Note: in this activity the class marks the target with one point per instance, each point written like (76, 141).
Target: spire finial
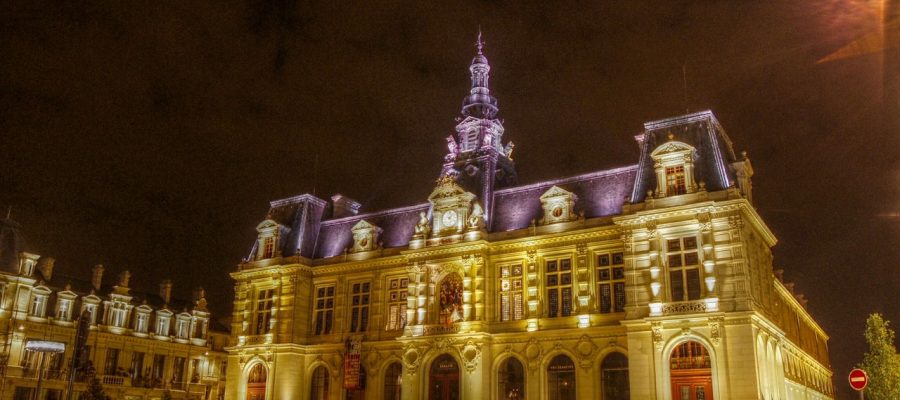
(479, 44)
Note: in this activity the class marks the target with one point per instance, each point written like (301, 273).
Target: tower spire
(479, 103)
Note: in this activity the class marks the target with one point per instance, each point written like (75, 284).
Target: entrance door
(691, 372)
(443, 382)
(256, 383)
(692, 388)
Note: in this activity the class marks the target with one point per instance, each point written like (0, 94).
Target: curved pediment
(267, 224)
(446, 188)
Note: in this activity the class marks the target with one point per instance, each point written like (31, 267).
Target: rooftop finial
(479, 44)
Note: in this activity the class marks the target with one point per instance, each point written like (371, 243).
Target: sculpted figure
(477, 216)
(422, 226)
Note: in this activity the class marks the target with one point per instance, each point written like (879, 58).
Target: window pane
(693, 284)
(677, 283)
(603, 260)
(605, 298)
(691, 259)
(566, 301)
(553, 300)
(674, 245)
(620, 296)
(675, 260)
(618, 258)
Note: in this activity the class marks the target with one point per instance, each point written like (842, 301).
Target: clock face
(449, 218)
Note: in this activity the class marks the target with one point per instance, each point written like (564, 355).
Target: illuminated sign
(45, 346)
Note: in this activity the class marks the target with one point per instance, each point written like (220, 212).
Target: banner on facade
(352, 379)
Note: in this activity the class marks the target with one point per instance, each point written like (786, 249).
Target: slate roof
(310, 231)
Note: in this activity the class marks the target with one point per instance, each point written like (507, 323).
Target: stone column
(479, 265)
(655, 269)
(707, 244)
(582, 280)
(468, 282)
(414, 289)
(531, 285)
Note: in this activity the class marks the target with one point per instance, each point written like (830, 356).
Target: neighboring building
(139, 345)
(650, 281)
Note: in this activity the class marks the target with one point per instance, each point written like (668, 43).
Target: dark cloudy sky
(151, 135)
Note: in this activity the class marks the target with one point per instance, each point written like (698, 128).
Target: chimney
(97, 277)
(343, 206)
(199, 293)
(45, 266)
(165, 291)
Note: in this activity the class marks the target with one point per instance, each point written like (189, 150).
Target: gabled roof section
(700, 130)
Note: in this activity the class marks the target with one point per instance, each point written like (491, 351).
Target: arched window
(689, 365)
(511, 379)
(614, 377)
(318, 389)
(393, 380)
(451, 299)
(561, 378)
(256, 382)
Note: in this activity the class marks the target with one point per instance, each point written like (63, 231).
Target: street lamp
(41, 347)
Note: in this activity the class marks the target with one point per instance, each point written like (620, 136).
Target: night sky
(151, 135)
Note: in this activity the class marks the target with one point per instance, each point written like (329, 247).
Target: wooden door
(692, 387)
(256, 392)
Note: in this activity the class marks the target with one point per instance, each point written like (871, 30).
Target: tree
(94, 391)
(881, 362)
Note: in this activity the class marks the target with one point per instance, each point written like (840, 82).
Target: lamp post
(41, 347)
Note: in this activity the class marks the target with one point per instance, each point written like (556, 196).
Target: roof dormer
(268, 239)
(365, 236)
(558, 205)
(673, 163)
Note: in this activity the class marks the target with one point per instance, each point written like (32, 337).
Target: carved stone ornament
(705, 221)
(735, 222)
(585, 349)
(715, 330)
(532, 256)
(411, 358)
(684, 307)
(581, 248)
(533, 353)
(471, 355)
(656, 331)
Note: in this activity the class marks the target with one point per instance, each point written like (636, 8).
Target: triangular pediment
(554, 192)
(362, 225)
(672, 147)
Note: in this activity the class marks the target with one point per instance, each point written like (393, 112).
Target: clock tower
(477, 158)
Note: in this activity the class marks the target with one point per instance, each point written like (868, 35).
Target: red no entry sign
(858, 379)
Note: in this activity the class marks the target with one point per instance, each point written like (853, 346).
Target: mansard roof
(311, 231)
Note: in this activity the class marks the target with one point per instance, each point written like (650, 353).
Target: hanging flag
(352, 379)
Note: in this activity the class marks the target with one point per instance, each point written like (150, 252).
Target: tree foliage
(94, 391)
(881, 362)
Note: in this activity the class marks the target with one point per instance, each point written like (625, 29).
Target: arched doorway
(256, 382)
(614, 377)
(561, 378)
(511, 380)
(318, 388)
(443, 381)
(691, 372)
(393, 381)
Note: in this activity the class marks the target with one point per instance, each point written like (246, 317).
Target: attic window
(268, 247)
(674, 165)
(558, 205)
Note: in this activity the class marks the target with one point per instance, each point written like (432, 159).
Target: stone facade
(140, 345)
(651, 281)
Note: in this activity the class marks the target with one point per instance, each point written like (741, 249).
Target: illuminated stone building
(649, 281)
(139, 345)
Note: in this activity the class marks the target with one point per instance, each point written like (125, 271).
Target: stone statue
(477, 216)
(422, 225)
(451, 145)
(488, 139)
(509, 149)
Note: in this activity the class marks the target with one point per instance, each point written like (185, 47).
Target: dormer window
(64, 310)
(267, 243)
(38, 305)
(558, 205)
(162, 323)
(183, 327)
(674, 165)
(142, 322)
(365, 236)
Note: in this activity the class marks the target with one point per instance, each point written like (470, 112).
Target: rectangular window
(324, 311)
(178, 369)
(140, 325)
(137, 365)
(262, 311)
(397, 292)
(37, 305)
(611, 282)
(112, 361)
(62, 313)
(269, 247)
(559, 287)
(359, 306)
(159, 366)
(511, 297)
(675, 180)
(684, 268)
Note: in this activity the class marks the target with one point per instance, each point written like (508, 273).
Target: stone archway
(443, 379)
(257, 378)
(690, 372)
